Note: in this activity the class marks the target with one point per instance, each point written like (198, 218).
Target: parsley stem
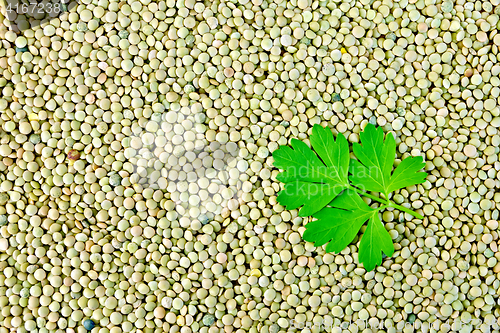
(370, 196)
(388, 203)
(406, 210)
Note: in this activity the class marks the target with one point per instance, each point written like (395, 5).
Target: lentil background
(81, 239)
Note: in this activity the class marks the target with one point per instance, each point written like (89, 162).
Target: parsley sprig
(328, 184)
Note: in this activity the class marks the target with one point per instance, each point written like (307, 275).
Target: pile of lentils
(92, 241)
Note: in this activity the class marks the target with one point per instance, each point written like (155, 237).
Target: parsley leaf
(339, 225)
(309, 180)
(406, 174)
(329, 185)
(333, 154)
(375, 240)
(376, 158)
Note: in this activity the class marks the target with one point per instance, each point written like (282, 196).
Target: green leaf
(375, 240)
(406, 174)
(312, 182)
(313, 196)
(338, 226)
(362, 178)
(332, 153)
(319, 181)
(298, 163)
(350, 200)
(376, 157)
(331, 223)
